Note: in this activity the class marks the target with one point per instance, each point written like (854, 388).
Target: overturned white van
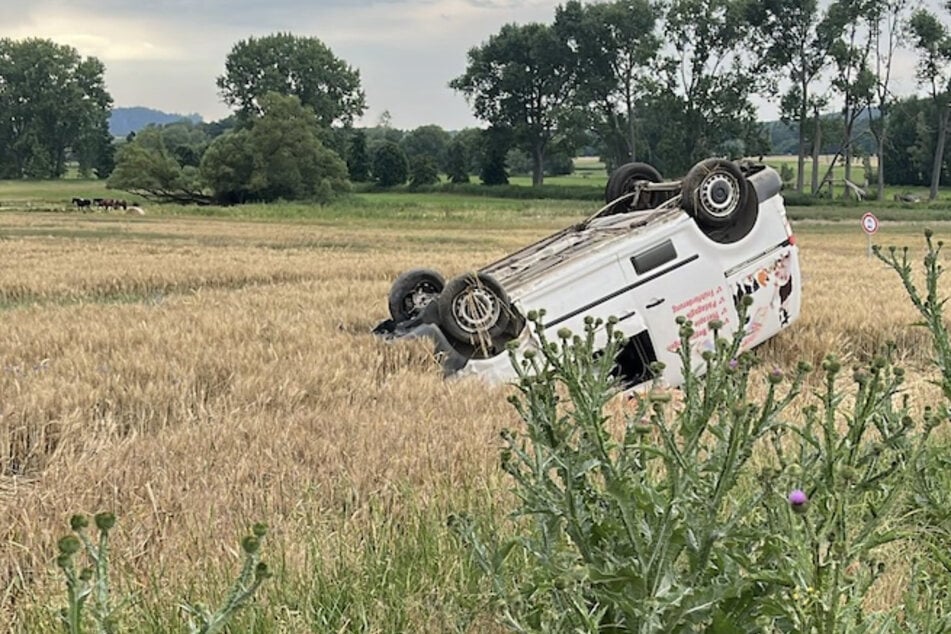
(657, 250)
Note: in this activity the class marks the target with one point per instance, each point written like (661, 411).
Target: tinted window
(653, 257)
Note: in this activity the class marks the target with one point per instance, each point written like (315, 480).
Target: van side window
(653, 257)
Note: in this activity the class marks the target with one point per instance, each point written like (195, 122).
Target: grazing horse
(111, 203)
(82, 203)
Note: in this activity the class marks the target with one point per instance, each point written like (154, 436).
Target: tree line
(666, 83)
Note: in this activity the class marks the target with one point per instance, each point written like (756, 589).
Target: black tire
(475, 311)
(625, 179)
(413, 291)
(716, 193)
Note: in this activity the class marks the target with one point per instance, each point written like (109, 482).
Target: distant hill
(122, 121)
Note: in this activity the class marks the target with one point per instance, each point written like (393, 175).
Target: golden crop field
(197, 375)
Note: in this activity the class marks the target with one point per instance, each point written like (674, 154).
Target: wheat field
(197, 375)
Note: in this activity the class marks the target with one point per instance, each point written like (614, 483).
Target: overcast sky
(166, 54)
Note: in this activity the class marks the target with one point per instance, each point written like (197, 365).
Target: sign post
(870, 227)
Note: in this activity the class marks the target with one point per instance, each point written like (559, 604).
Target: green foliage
(277, 154)
(52, 101)
(429, 141)
(93, 581)
(358, 159)
(909, 155)
(670, 525)
(291, 65)
(423, 172)
(390, 166)
(496, 142)
(147, 168)
(457, 163)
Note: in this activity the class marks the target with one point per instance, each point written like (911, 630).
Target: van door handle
(657, 301)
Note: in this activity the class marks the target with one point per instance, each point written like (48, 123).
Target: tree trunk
(847, 154)
(939, 151)
(538, 165)
(630, 130)
(880, 158)
(801, 158)
(816, 144)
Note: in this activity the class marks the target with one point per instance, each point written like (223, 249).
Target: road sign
(869, 223)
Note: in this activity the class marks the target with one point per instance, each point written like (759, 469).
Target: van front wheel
(716, 193)
(474, 310)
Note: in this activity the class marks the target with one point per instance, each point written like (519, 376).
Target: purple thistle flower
(733, 364)
(798, 500)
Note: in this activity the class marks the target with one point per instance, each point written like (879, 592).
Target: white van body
(646, 268)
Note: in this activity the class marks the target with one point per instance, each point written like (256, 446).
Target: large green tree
(886, 20)
(710, 76)
(932, 40)
(292, 65)
(617, 44)
(390, 167)
(52, 101)
(147, 167)
(278, 156)
(525, 78)
(796, 39)
(426, 140)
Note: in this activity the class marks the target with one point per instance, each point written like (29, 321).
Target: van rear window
(653, 257)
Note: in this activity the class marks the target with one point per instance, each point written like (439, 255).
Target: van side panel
(774, 284)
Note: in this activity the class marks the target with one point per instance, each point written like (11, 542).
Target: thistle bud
(105, 521)
(564, 333)
(250, 544)
(68, 545)
(259, 529)
(78, 522)
(85, 574)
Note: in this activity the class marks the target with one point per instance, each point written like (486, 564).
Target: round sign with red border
(869, 223)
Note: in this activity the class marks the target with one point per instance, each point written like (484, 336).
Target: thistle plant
(92, 580)
(88, 581)
(719, 508)
(253, 573)
(850, 469)
(646, 531)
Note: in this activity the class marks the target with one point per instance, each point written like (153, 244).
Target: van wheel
(413, 291)
(625, 180)
(715, 193)
(475, 311)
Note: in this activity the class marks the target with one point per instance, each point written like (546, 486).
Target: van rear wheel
(625, 180)
(413, 291)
